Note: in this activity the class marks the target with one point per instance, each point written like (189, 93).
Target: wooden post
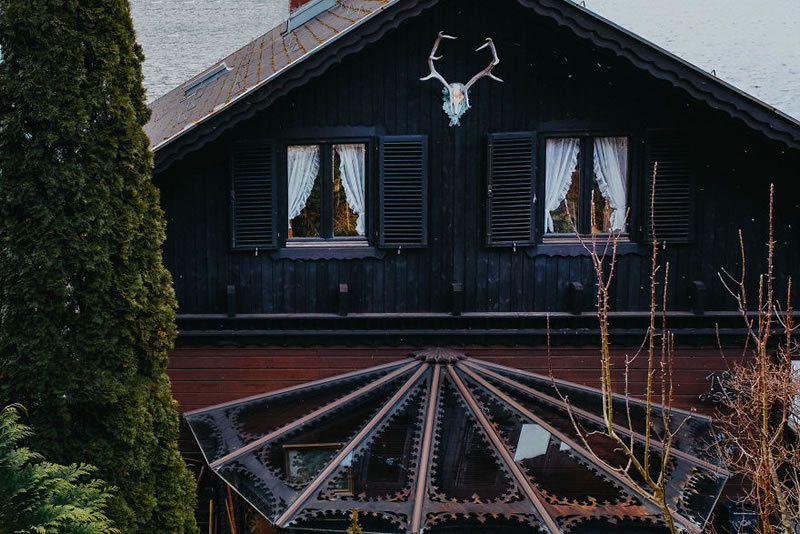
(343, 298)
(231, 301)
(457, 299)
(697, 297)
(575, 297)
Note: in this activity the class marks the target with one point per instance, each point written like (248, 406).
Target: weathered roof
(251, 67)
(419, 443)
(276, 52)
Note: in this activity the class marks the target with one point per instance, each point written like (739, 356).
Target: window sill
(327, 251)
(574, 248)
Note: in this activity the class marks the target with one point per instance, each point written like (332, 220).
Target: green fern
(39, 497)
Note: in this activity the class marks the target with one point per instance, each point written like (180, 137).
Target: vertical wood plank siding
(550, 76)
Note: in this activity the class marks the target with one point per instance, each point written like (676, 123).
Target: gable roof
(251, 67)
(350, 25)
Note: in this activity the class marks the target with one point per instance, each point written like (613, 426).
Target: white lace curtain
(562, 160)
(303, 167)
(611, 172)
(352, 172)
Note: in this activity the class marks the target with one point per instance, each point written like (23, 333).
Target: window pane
(610, 184)
(565, 215)
(304, 191)
(562, 186)
(349, 218)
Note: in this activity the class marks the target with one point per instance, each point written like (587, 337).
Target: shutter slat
(510, 181)
(404, 191)
(672, 211)
(253, 173)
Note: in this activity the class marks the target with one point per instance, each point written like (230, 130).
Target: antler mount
(456, 95)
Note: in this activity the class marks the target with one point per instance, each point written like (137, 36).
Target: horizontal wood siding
(203, 376)
(550, 77)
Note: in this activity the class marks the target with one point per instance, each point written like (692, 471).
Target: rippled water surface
(181, 38)
(753, 44)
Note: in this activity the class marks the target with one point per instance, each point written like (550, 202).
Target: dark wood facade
(555, 82)
(258, 320)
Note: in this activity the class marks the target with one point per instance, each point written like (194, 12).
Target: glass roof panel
(490, 445)
(466, 466)
(222, 429)
(691, 430)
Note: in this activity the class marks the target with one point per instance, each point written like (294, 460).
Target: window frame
(586, 160)
(326, 144)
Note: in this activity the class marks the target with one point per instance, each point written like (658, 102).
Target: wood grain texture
(548, 72)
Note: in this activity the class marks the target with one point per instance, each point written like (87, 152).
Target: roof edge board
(582, 22)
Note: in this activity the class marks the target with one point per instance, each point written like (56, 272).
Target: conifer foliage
(86, 306)
(44, 497)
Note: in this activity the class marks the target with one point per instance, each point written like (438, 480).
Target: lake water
(753, 44)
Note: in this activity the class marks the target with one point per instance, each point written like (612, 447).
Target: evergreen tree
(86, 306)
(43, 497)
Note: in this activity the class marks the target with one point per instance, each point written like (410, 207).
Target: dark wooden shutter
(403, 191)
(511, 189)
(672, 214)
(252, 195)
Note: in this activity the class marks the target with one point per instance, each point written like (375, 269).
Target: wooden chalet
(327, 215)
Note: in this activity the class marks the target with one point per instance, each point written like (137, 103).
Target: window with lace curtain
(586, 186)
(326, 191)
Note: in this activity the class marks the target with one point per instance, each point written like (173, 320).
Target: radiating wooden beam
(587, 389)
(299, 387)
(426, 451)
(284, 519)
(497, 441)
(593, 459)
(694, 460)
(313, 415)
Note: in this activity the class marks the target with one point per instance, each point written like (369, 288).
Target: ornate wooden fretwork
(471, 443)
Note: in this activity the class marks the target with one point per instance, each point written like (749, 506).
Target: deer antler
(433, 57)
(488, 70)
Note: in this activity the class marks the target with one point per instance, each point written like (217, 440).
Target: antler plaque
(456, 95)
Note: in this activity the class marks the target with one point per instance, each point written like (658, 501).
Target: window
(326, 192)
(586, 185)
(546, 187)
(331, 193)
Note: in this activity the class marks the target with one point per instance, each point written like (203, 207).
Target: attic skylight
(205, 79)
(308, 12)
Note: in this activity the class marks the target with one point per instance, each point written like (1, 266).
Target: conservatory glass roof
(441, 441)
